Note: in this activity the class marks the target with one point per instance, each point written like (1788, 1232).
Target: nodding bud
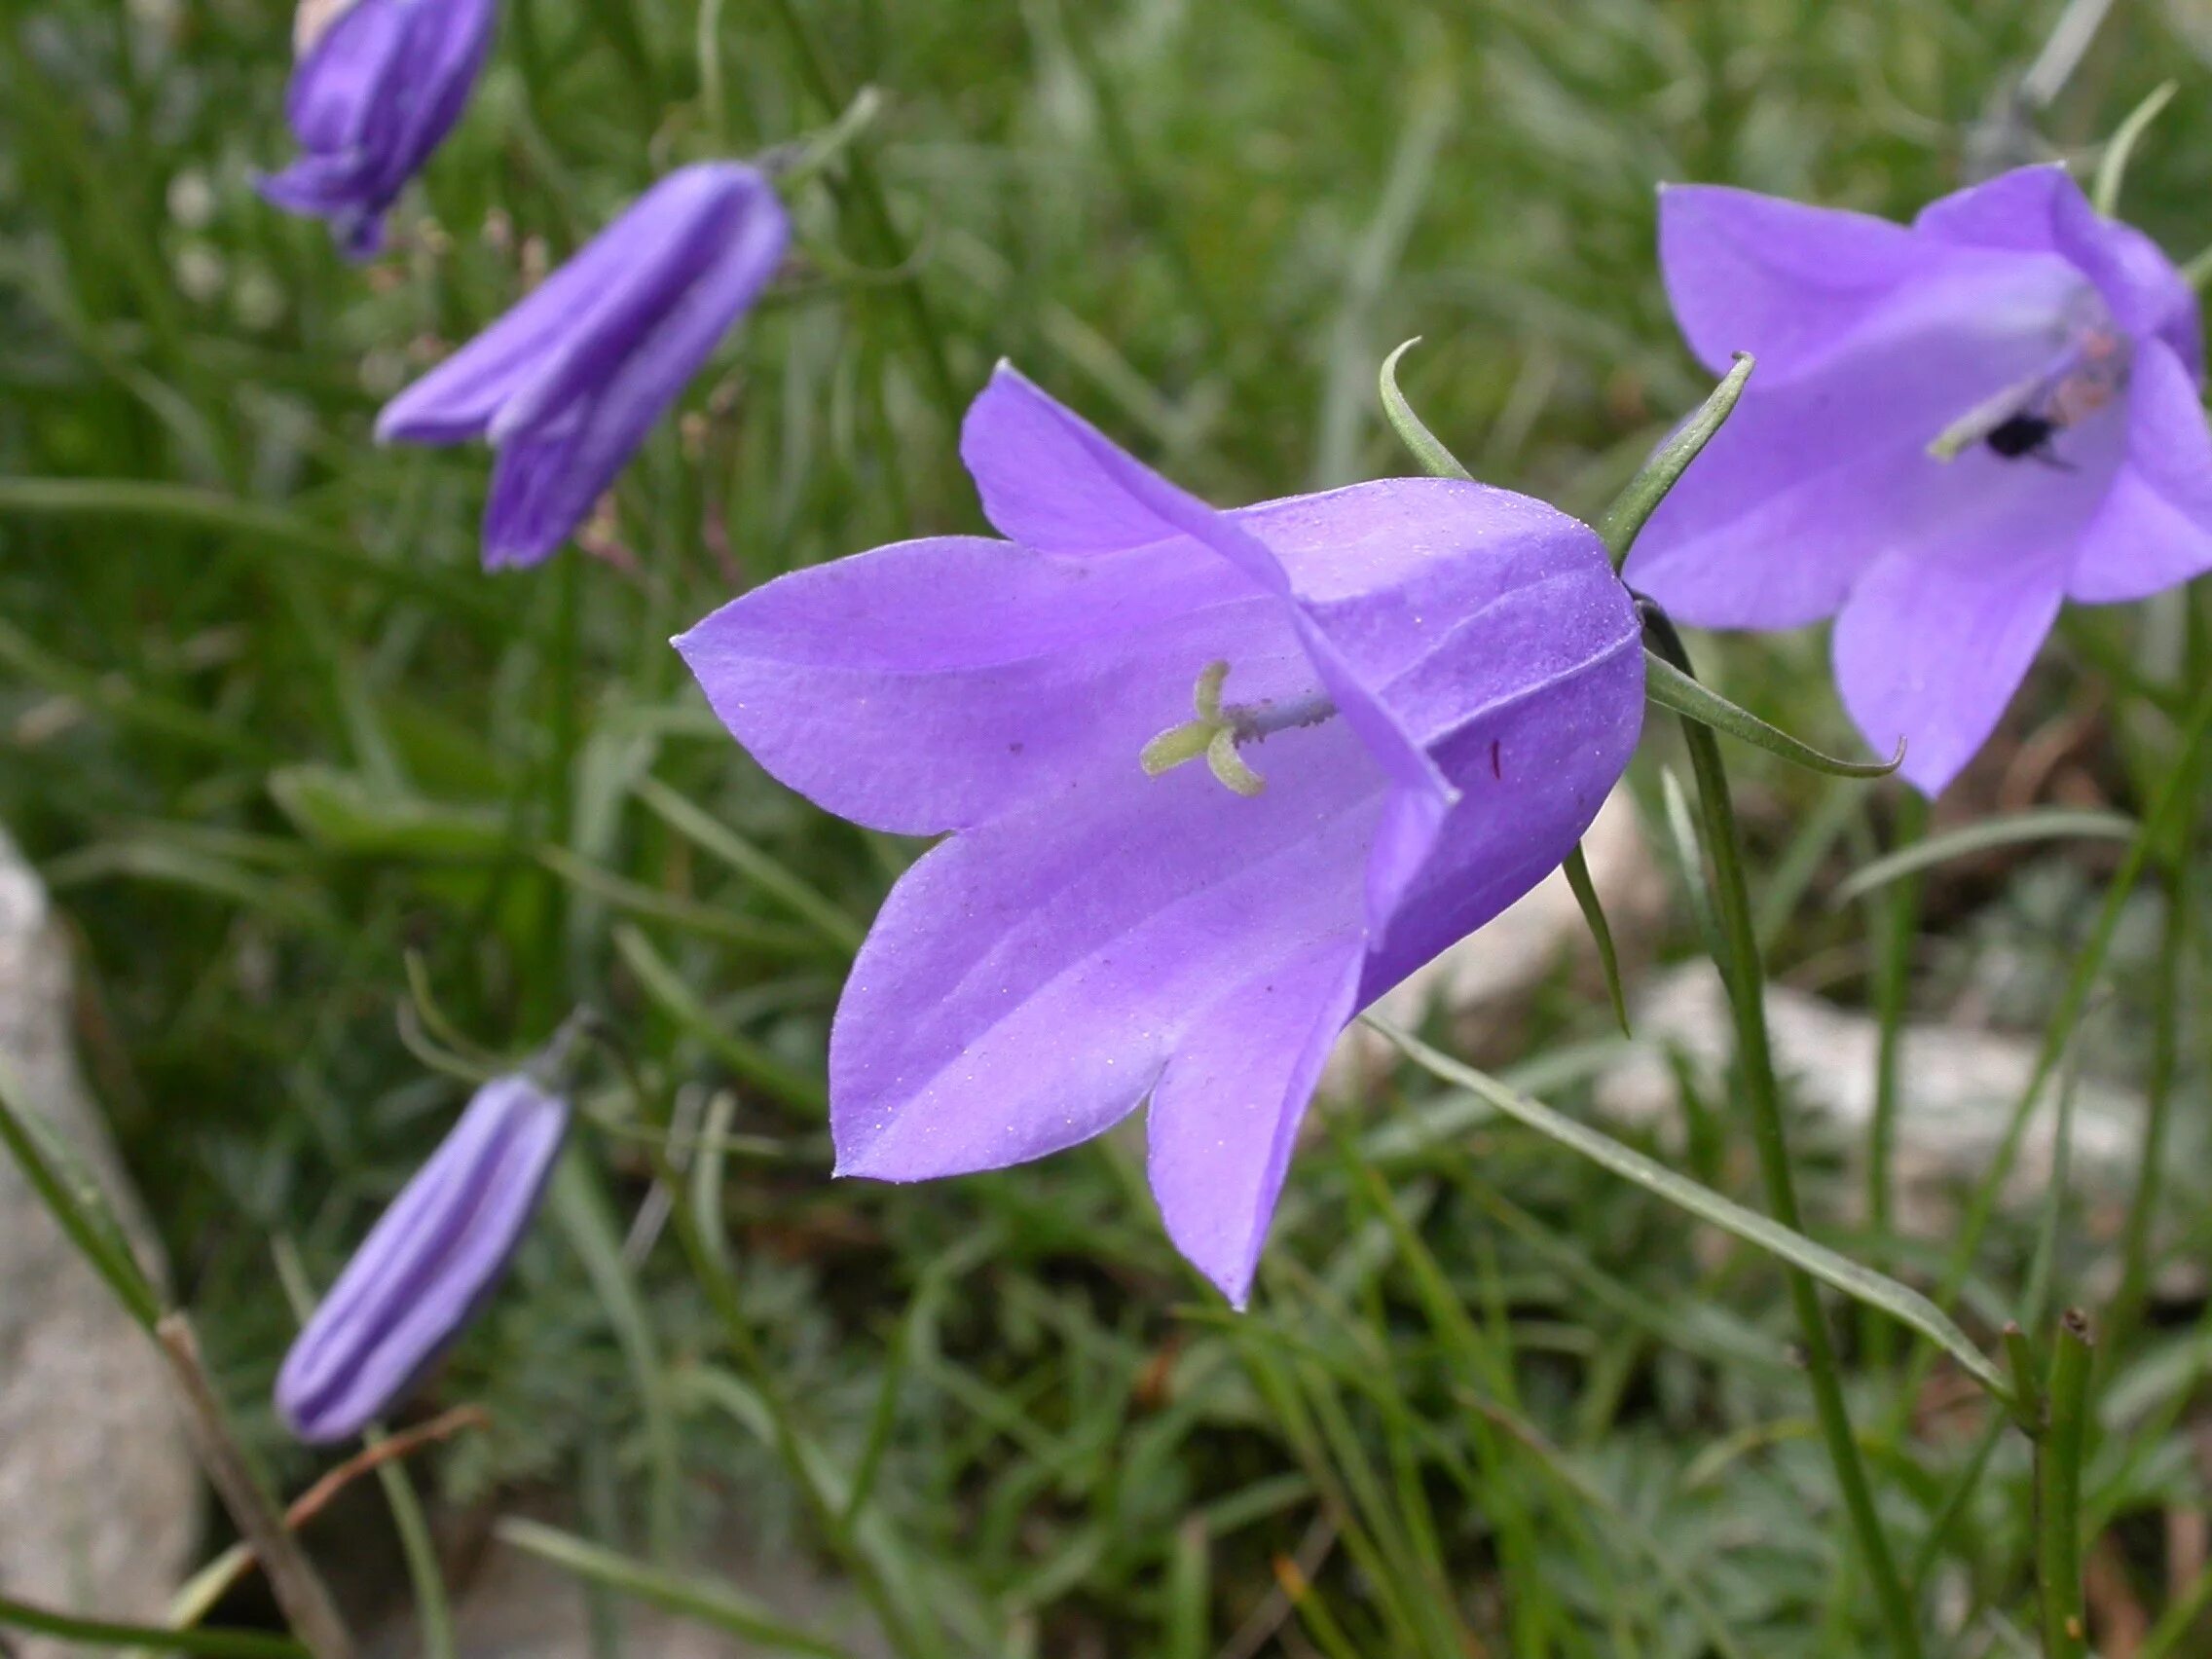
(426, 1266)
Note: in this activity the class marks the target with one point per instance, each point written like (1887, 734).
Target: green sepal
(1577, 872)
(1427, 448)
(1677, 692)
(1634, 506)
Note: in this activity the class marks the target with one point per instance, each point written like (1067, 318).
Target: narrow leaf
(1577, 872)
(1677, 693)
(2112, 165)
(709, 1603)
(2032, 824)
(77, 1205)
(108, 1633)
(1427, 448)
(1862, 1284)
(1635, 506)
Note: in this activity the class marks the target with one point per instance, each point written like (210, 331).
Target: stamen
(1220, 728)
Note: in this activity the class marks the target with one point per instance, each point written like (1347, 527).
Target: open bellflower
(566, 385)
(375, 91)
(1214, 782)
(1955, 424)
(426, 1266)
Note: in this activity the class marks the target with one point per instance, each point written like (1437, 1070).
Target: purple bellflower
(375, 91)
(1214, 782)
(426, 1266)
(566, 385)
(1955, 426)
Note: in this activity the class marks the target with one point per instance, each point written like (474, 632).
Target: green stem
(2158, 1115)
(1743, 977)
(2059, 1494)
(825, 84)
(1898, 913)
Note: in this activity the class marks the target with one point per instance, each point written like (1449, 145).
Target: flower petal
(546, 484)
(2042, 210)
(426, 1264)
(1820, 469)
(1224, 1118)
(937, 684)
(1027, 980)
(343, 83)
(2155, 530)
(458, 399)
(1938, 636)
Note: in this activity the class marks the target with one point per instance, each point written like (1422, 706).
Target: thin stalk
(1899, 912)
(2159, 1092)
(2059, 1494)
(828, 89)
(292, 1579)
(1744, 976)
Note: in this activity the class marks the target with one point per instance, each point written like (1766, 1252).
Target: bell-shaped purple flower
(1955, 426)
(566, 385)
(375, 93)
(1215, 781)
(426, 1266)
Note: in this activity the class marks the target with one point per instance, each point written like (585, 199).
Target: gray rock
(1958, 1089)
(99, 1494)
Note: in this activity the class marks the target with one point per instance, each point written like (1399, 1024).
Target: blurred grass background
(278, 744)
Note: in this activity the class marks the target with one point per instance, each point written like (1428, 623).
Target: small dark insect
(1493, 767)
(2025, 433)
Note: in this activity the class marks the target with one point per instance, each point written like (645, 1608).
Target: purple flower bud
(375, 93)
(566, 385)
(426, 1266)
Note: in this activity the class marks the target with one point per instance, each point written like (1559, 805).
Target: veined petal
(425, 1266)
(1224, 1118)
(458, 399)
(445, 49)
(937, 684)
(1937, 636)
(544, 484)
(1027, 980)
(2154, 529)
(341, 84)
(2041, 209)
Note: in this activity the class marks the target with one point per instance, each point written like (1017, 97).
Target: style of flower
(1214, 782)
(378, 87)
(566, 385)
(1955, 426)
(426, 1266)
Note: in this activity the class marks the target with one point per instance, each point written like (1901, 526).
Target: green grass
(272, 736)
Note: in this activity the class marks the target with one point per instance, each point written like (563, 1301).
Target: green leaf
(1435, 459)
(745, 1058)
(1633, 508)
(107, 1633)
(709, 1603)
(1577, 870)
(77, 1204)
(1677, 692)
(1862, 1284)
(2032, 824)
(343, 813)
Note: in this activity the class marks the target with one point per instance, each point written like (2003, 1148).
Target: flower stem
(1898, 913)
(1743, 977)
(292, 1579)
(822, 82)
(2058, 1493)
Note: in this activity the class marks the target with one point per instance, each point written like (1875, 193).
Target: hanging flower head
(426, 1266)
(378, 87)
(1955, 426)
(1214, 781)
(566, 385)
